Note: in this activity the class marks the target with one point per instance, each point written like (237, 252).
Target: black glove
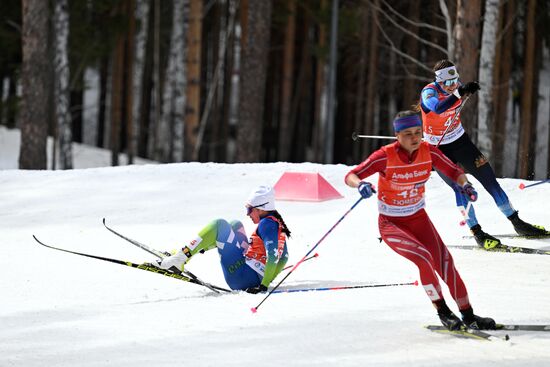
(469, 191)
(259, 289)
(468, 88)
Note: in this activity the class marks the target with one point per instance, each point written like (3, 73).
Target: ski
(515, 327)
(503, 248)
(466, 333)
(162, 255)
(146, 267)
(159, 254)
(515, 235)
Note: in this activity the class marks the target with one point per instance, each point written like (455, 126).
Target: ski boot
(484, 239)
(447, 317)
(526, 229)
(477, 322)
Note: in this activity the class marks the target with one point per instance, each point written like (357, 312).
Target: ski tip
(521, 186)
(103, 220)
(254, 309)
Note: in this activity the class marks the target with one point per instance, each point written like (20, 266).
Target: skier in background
(439, 103)
(403, 168)
(247, 265)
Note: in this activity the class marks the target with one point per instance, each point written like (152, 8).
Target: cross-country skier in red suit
(403, 168)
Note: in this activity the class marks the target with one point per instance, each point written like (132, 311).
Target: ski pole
(356, 136)
(523, 186)
(343, 287)
(254, 309)
(306, 259)
(465, 213)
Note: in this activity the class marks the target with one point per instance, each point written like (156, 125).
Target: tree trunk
(193, 71)
(142, 14)
(411, 85)
(130, 52)
(286, 126)
(63, 115)
(503, 68)
(467, 35)
(527, 99)
(486, 72)
(320, 92)
(256, 18)
(35, 83)
(116, 100)
(361, 81)
(372, 83)
(169, 128)
(155, 107)
(91, 102)
(227, 82)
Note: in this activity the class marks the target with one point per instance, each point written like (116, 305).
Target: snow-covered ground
(58, 309)
(84, 156)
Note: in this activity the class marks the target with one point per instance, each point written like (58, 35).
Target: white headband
(446, 74)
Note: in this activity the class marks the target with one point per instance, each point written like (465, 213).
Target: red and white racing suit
(404, 224)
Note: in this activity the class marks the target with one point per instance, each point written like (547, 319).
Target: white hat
(262, 198)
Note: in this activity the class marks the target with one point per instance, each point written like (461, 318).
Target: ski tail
(465, 333)
(503, 248)
(523, 327)
(152, 251)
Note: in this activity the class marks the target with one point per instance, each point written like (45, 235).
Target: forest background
(266, 81)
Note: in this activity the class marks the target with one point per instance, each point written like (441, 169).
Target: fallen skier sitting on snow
(247, 265)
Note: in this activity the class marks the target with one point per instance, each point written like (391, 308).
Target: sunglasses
(249, 208)
(450, 82)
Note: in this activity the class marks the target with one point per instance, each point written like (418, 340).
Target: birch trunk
(170, 127)
(142, 15)
(486, 71)
(91, 100)
(61, 85)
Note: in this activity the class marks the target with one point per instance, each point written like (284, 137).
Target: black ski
(466, 333)
(524, 327)
(146, 267)
(503, 248)
(162, 255)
